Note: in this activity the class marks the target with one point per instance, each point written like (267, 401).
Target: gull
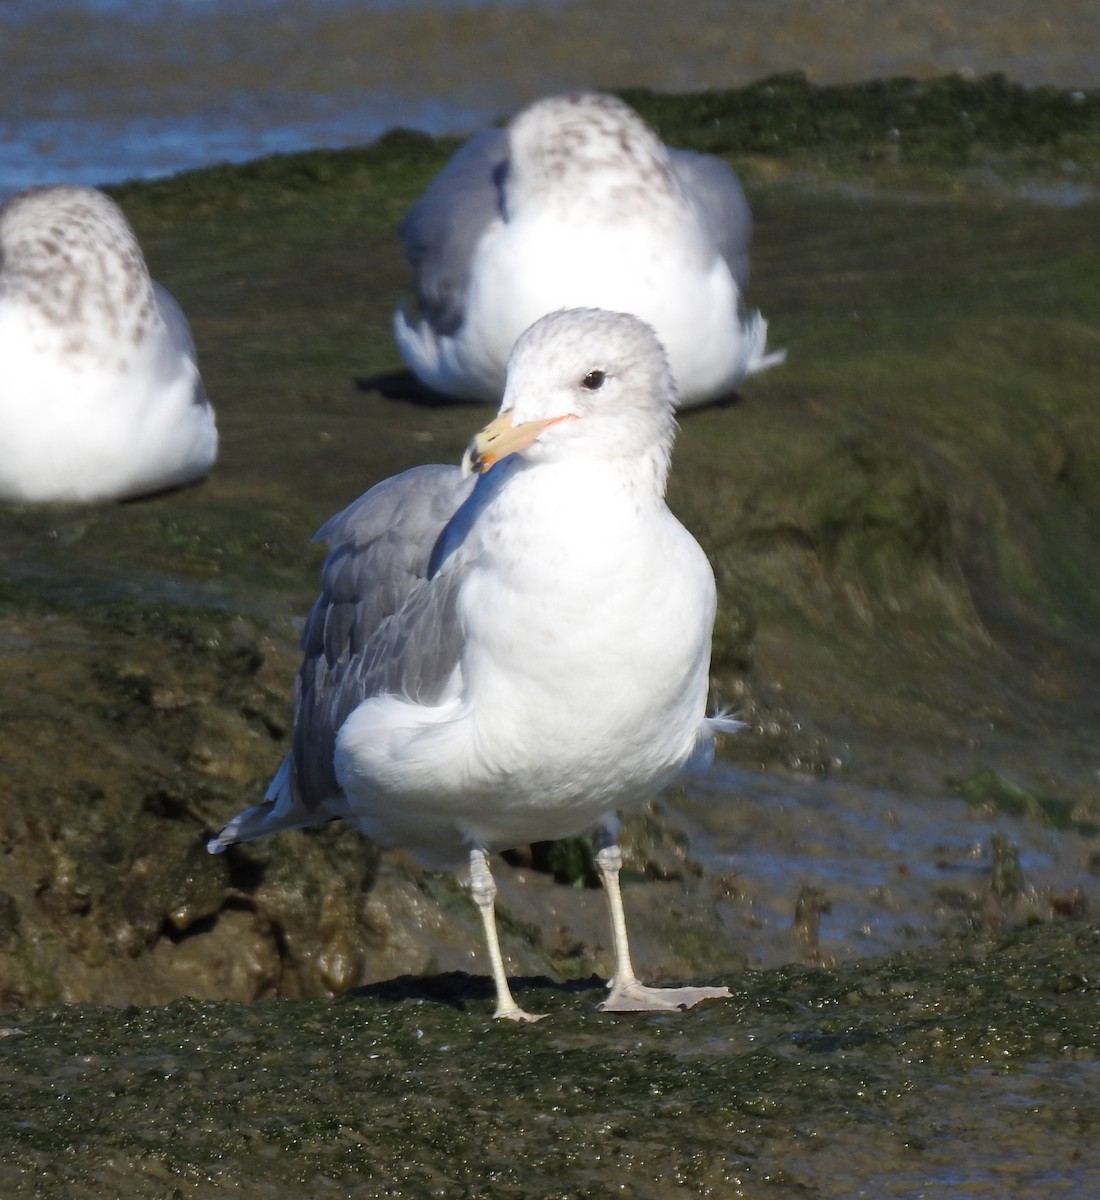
(518, 649)
(100, 393)
(578, 203)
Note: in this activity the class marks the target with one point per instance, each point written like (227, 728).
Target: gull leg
(626, 993)
(483, 889)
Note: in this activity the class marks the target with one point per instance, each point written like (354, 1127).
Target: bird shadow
(157, 493)
(457, 989)
(403, 387)
(730, 400)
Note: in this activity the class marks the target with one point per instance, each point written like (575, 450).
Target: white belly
(584, 683)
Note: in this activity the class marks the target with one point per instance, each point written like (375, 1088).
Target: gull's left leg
(483, 889)
(627, 994)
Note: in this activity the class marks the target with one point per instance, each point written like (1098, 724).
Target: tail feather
(712, 727)
(418, 345)
(722, 722)
(755, 330)
(443, 362)
(282, 808)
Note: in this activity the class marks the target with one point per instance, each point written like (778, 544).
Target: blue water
(104, 90)
(96, 91)
(68, 149)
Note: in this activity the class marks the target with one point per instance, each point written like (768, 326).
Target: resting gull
(100, 394)
(516, 656)
(578, 203)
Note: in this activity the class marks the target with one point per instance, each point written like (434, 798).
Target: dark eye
(593, 381)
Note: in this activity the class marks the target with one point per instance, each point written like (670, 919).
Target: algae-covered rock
(902, 520)
(968, 1070)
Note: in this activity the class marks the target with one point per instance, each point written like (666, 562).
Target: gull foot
(515, 1013)
(636, 997)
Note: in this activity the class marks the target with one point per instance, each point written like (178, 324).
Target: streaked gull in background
(578, 204)
(516, 656)
(100, 393)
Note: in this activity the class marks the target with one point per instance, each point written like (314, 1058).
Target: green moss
(946, 122)
(809, 1080)
(993, 793)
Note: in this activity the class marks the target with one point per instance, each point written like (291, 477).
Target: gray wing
(716, 192)
(383, 623)
(442, 230)
(179, 334)
(179, 330)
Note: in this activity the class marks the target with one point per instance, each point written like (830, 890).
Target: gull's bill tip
(500, 438)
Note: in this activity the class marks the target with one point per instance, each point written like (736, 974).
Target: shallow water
(104, 90)
(893, 871)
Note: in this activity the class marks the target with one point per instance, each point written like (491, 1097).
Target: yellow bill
(499, 439)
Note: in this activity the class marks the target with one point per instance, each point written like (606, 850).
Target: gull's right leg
(483, 889)
(627, 994)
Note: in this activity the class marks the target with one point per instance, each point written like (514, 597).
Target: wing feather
(720, 201)
(382, 623)
(443, 228)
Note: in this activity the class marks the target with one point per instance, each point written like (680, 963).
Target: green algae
(991, 792)
(885, 1065)
(901, 518)
(898, 127)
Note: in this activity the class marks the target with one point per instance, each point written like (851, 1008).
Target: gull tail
(755, 330)
(722, 722)
(441, 361)
(418, 344)
(282, 809)
(703, 754)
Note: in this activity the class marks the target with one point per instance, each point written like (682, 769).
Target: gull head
(69, 253)
(583, 383)
(582, 148)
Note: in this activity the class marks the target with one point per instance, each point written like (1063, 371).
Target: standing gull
(100, 394)
(515, 657)
(578, 203)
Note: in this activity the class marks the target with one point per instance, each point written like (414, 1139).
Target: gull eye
(593, 381)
